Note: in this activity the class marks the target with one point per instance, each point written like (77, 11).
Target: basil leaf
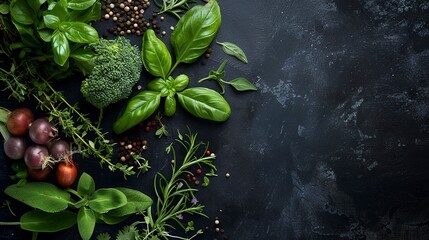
(27, 34)
(4, 8)
(86, 185)
(136, 202)
(40, 221)
(83, 54)
(157, 85)
(180, 82)
(233, 50)
(35, 4)
(44, 196)
(51, 21)
(155, 55)
(169, 106)
(139, 108)
(106, 199)
(45, 34)
(88, 15)
(60, 48)
(111, 220)
(79, 32)
(21, 12)
(242, 84)
(85, 222)
(205, 103)
(195, 31)
(60, 11)
(80, 4)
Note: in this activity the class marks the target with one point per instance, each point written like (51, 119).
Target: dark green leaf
(39, 221)
(233, 50)
(79, 32)
(157, 85)
(111, 220)
(21, 12)
(205, 103)
(180, 82)
(86, 185)
(138, 108)
(83, 54)
(40, 195)
(88, 15)
(155, 55)
(45, 34)
(60, 48)
(85, 222)
(195, 31)
(51, 21)
(242, 84)
(60, 10)
(136, 202)
(80, 4)
(106, 199)
(169, 106)
(35, 4)
(27, 34)
(4, 8)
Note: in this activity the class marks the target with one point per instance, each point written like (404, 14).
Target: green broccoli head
(117, 69)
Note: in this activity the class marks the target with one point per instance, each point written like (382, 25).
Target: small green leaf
(40, 221)
(51, 21)
(169, 106)
(79, 32)
(139, 108)
(83, 54)
(4, 8)
(205, 103)
(111, 220)
(45, 34)
(233, 50)
(180, 82)
(60, 48)
(85, 222)
(106, 199)
(136, 202)
(157, 85)
(155, 55)
(86, 185)
(206, 181)
(242, 84)
(80, 4)
(91, 144)
(40, 195)
(88, 15)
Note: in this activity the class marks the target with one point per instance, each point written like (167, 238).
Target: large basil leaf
(79, 32)
(86, 185)
(51, 21)
(109, 219)
(39, 221)
(35, 4)
(88, 15)
(138, 108)
(60, 48)
(83, 54)
(21, 12)
(106, 199)
(85, 222)
(155, 55)
(40, 195)
(205, 103)
(136, 202)
(80, 4)
(195, 31)
(60, 11)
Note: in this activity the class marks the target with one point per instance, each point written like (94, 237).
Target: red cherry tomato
(19, 121)
(66, 174)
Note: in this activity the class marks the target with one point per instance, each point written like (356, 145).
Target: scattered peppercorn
(208, 152)
(199, 171)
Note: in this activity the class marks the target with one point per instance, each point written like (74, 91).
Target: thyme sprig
(174, 7)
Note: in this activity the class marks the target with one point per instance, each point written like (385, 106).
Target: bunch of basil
(53, 31)
(55, 209)
(192, 36)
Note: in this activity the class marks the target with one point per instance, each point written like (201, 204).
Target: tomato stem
(10, 223)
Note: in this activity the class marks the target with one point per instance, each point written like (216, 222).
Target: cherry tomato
(66, 174)
(19, 121)
(39, 174)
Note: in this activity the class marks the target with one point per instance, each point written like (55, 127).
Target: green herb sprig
(239, 84)
(175, 7)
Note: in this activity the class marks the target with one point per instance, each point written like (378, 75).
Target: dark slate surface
(333, 145)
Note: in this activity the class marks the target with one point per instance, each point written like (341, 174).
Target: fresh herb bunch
(54, 33)
(175, 197)
(192, 36)
(56, 210)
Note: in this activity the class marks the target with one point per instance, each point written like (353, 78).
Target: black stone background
(333, 145)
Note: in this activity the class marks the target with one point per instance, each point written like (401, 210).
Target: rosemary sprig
(174, 7)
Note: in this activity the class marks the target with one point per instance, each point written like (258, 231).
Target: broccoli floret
(117, 69)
